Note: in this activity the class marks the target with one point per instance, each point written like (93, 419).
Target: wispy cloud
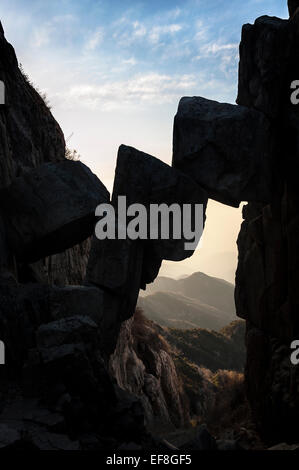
(131, 61)
(95, 39)
(214, 48)
(150, 89)
(200, 31)
(158, 31)
(48, 32)
(226, 55)
(139, 30)
(42, 35)
(130, 33)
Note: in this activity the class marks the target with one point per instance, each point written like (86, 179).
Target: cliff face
(29, 134)
(29, 137)
(59, 338)
(249, 152)
(142, 364)
(54, 388)
(268, 273)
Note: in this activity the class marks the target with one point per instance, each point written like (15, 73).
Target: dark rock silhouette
(265, 50)
(293, 5)
(29, 136)
(267, 275)
(51, 208)
(202, 441)
(56, 389)
(224, 148)
(155, 182)
(56, 392)
(122, 266)
(115, 266)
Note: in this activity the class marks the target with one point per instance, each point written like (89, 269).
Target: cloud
(42, 35)
(131, 61)
(174, 13)
(139, 30)
(214, 48)
(148, 89)
(227, 54)
(158, 31)
(130, 32)
(94, 40)
(58, 25)
(201, 31)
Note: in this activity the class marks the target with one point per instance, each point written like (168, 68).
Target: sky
(114, 72)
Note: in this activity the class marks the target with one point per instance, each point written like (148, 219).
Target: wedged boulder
(157, 183)
(122, 266)
(226, 149)
(116, 266)
(264, 74)
(51, 208)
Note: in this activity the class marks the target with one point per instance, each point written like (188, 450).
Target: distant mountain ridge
(196, 301)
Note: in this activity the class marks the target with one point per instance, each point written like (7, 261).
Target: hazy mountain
(196, 301)
(178, 311)
(221, 264)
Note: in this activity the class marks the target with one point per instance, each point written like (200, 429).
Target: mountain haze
(197, 301)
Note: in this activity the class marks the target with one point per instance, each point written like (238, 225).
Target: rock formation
(56, 389)
(50, 209)
(267, 276)
(29, 136)
(121, 267)
(142, 364)
(56, 392)
(214, 143)
(293, 6)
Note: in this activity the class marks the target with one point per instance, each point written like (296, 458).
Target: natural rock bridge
(59, 338)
